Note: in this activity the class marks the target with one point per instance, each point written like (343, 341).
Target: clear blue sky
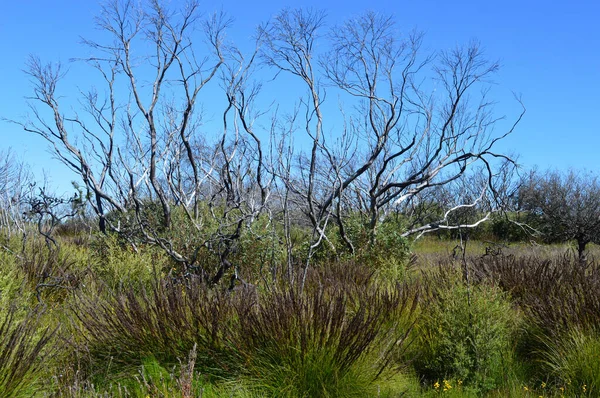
(549, 52)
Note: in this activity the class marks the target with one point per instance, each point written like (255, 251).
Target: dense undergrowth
(91, 318)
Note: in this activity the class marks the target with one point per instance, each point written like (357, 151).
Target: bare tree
(138, 143)
(414, 122)
(564, 206)
(408, 123)
(16, 182)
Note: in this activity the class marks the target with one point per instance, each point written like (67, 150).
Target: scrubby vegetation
(91, 318)
(286, 249)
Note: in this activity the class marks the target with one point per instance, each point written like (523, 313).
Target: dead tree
(15, 187)
(138, 142)
(409, 122)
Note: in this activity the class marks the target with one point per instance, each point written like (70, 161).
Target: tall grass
(334, 339)
(556, 293)
(163, 322)
(24, 349)
(573, 360)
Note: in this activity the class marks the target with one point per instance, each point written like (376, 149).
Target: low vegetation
(96, 320)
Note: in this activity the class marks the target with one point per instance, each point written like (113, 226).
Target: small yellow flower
(543, 385)
(525, 388)
(584, 387)
(447, 385)
(459, 382)
(562, 389)
(436, 385)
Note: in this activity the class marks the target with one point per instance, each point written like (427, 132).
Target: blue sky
(549, 52)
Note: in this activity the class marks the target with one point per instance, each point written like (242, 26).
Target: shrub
(465, 331)
(387, 254)
(114, 262)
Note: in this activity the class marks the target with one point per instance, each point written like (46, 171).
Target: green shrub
(465, 332)
(386, 253)
(115, 263)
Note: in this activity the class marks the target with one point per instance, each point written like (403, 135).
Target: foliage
(565, 206)
(387, 251)
(465, 332)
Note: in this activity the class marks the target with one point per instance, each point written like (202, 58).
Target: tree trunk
(581, 243)
(101, 219)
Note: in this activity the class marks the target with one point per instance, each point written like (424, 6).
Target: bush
(114, 262)
(465, 332)
(387, 254)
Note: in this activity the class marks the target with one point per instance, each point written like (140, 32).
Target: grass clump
(573, 361)
(337, 336)
(24, 347)
(163, 322)
(331, 340)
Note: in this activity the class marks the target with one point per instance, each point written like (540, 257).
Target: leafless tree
(138, 143)
(407, 124)
(412, 122)
(15, 186)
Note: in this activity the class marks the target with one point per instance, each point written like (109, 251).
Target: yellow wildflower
(436, 385)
